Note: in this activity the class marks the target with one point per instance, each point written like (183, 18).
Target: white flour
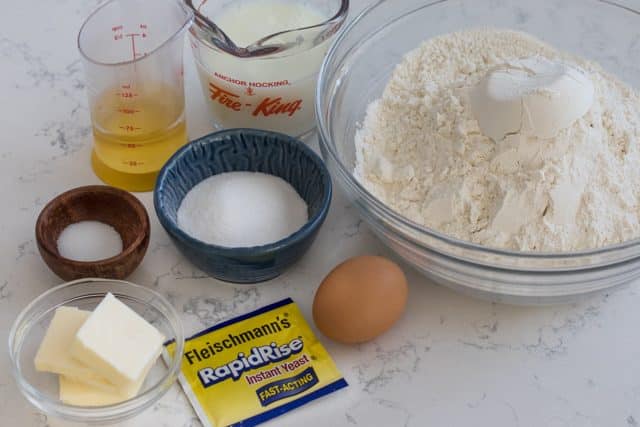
(421, 151)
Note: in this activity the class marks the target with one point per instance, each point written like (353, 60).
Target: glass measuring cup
(264, 81)
(132, 54)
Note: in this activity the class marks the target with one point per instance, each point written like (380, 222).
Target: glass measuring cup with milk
(258, 60)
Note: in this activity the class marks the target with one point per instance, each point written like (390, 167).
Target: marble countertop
(451, 360)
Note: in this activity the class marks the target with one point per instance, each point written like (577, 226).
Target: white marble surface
(451, 361)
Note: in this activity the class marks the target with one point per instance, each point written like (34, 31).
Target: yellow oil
(135, 131)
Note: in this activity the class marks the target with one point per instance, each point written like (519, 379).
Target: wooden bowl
(109, 205)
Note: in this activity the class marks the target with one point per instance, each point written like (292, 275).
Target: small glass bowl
(41, 388)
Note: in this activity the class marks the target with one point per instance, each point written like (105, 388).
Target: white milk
(266, 93)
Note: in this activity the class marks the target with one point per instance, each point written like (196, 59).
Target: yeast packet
(250, 369)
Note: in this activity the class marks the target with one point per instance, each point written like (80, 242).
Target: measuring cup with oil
(132, 53)
(259, 60)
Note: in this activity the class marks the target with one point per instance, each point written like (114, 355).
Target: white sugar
(89, 241)
(242, 209)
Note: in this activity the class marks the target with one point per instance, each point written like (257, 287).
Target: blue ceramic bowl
(244, 150)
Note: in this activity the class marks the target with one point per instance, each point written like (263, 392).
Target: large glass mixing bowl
(358, 67)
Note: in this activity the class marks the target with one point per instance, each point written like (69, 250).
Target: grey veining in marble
(450, 361)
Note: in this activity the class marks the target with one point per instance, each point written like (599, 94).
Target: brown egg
(360, 299)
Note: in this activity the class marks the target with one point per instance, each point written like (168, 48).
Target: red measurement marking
(127, 94)
(133, 162)
(133, 145)
(129, 128)
(133, 44)
(125, 110)
(117, 30)
(119, 34)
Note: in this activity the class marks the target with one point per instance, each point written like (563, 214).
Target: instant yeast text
(252, 368)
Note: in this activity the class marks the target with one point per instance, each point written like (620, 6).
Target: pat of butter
(79, 393)
(76, 393)
(117, 342)
(53, 354)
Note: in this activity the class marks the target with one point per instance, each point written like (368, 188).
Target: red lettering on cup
(225, 98)
(269, 107)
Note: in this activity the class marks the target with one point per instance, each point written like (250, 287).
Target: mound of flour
(421, 151)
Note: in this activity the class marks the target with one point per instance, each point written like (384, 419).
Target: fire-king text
(267, 107)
